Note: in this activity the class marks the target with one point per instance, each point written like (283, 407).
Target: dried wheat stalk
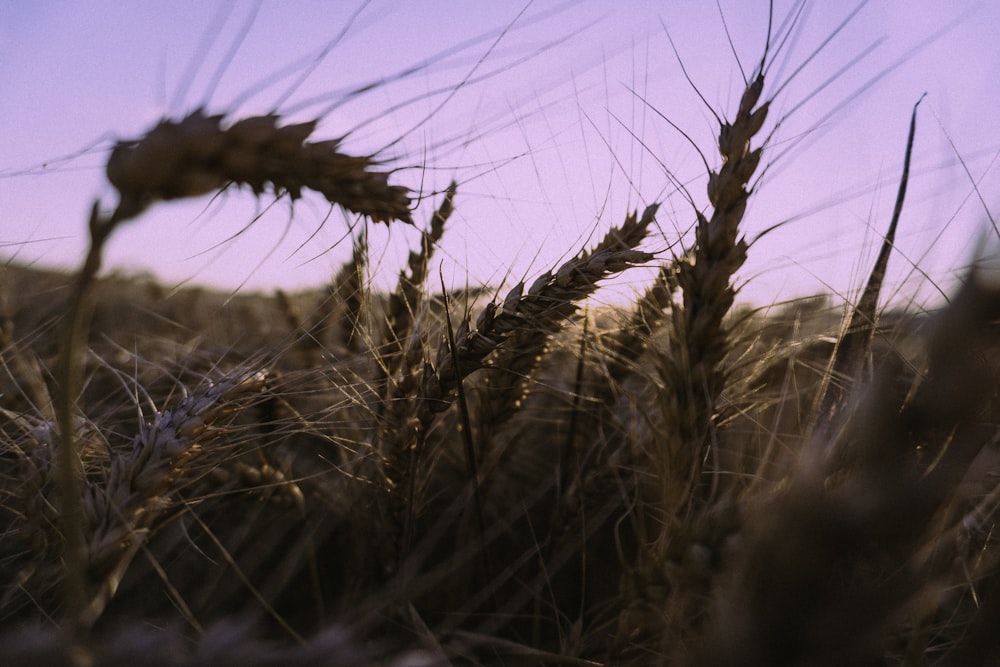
(185, 158)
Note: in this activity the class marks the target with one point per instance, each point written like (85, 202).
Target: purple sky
(557, 135)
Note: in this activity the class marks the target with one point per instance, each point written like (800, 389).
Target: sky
(556, 119)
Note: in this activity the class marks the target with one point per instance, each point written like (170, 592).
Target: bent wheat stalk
(187, 158)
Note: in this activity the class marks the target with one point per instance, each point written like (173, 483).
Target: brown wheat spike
(200, 154)
(517, 333)
(527, 318)
(140, 482)
(402, 349)
(700, 340)
(521, 324)
(519, 327)
(625, 345)
(704, 281)
(404, 300)
(693, 380)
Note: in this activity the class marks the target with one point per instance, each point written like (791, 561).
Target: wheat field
(507, 474)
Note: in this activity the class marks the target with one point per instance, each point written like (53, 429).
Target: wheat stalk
(693, 379)
(186, 158)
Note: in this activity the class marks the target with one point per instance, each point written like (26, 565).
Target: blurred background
(556, 119)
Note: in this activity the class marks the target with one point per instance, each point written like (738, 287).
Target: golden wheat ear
(200, 154)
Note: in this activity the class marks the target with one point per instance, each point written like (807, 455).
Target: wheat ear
(403, 302)
(140, 482)
(200, 154)
(693, 378)
(693, 371)
(518, 328)
(522, 321)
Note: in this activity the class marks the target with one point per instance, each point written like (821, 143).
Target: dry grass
(346, 478)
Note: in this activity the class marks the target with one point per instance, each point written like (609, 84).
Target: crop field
(513, 468)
